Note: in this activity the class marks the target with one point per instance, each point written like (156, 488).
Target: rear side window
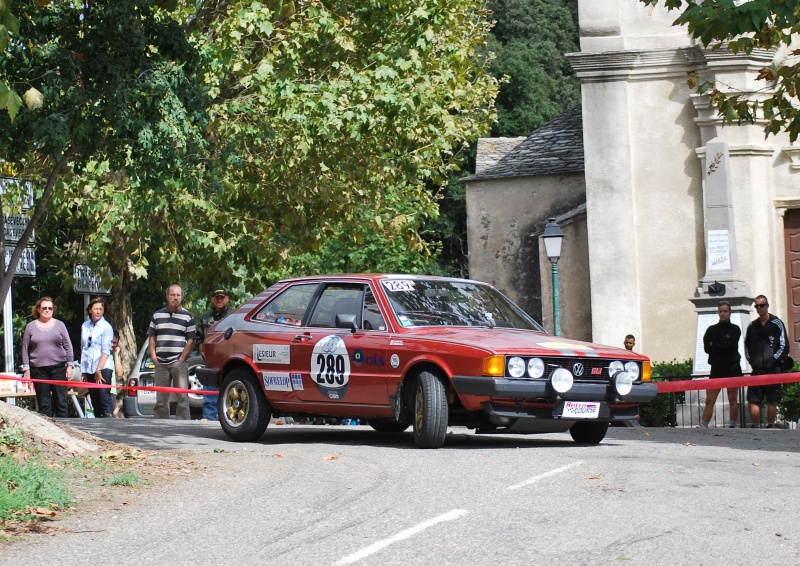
(289, 307)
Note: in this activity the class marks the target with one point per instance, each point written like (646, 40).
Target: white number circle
(330, 363)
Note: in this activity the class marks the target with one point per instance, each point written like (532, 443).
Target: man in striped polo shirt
(171, 341)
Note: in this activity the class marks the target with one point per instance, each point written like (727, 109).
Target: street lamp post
(552, 237)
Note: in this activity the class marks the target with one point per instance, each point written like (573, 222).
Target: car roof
(355, 277)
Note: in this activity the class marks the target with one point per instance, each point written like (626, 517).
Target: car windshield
(433, 302)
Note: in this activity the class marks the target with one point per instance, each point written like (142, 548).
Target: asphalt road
(348, 495)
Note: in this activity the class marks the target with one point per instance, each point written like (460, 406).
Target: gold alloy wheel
(236, 403)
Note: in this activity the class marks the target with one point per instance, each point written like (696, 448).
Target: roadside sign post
(88, 282)
(14, 225)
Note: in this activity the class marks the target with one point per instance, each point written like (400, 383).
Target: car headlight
(633, 369)
(615, 367)
(561, 380)
(535, 367)
(623, 382)
(516, 367)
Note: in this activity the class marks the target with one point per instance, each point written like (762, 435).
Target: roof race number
(330, 367)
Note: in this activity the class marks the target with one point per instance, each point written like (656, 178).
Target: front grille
(593, 368)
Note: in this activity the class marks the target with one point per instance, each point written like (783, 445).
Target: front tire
(588, 432)
(430, 411)
(244, 412)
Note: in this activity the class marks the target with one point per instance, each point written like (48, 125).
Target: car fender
(238, 360)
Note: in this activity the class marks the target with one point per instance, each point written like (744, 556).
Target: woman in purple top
(47, 355)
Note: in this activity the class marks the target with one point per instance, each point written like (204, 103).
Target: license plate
(580, 410)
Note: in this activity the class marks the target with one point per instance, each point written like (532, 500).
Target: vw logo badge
(577, 369)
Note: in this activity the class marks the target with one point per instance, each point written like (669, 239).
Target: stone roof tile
(556, 147)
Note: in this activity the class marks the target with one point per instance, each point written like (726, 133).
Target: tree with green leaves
(340, 118)
(742, 27)
(530, 40)
(302, 123)
(112, 97)
(10, 101)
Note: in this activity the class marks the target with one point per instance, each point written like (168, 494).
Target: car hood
(514, 341)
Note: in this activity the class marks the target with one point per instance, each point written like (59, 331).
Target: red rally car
(410, 350)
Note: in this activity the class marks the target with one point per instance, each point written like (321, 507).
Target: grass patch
(29, 490)
(12, 439)
(126, 479)
(91, 463)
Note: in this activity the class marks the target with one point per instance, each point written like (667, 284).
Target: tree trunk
(120, 311)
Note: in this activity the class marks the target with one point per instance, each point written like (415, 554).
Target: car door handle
(302, 337)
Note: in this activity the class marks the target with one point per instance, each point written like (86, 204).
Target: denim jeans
(175, 374)
(210, 404)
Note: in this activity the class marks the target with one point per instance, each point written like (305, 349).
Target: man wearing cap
(219, 310)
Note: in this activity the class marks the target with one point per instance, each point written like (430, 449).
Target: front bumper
(531, 389)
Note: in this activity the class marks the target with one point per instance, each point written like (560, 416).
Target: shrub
(789, 405)
(656, 412)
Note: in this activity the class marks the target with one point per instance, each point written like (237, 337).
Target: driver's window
(289, 307)
(338, 299)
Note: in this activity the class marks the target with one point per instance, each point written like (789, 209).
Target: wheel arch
(238, 363)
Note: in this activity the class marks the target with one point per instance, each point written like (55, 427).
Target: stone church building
(652, 240)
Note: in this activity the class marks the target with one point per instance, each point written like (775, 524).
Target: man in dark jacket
(766, 346)
(219, 310)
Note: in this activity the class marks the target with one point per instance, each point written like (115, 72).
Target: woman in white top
(46, 356)
(97, 365)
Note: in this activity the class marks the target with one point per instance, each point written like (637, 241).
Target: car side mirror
(346, 321)
(229, 333)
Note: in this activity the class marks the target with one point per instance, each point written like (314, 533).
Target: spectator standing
(171, 338)
(219, 310)
(721, 343)
(630, 342)
(47, 355)
(97, 366)
(766, 345)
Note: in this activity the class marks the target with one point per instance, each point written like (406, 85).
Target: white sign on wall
(718, 252)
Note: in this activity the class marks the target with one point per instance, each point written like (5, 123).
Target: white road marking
(544, 475)
(373, 548)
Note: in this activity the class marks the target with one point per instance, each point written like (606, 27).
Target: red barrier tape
(725, 382)
(92, 385)
(663, 386)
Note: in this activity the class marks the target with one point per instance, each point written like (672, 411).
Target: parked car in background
(400, 351)
(140, 403)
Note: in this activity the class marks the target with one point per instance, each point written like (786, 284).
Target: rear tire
(430, 411)
(387, 425)
(244, 412)
(588, 432)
